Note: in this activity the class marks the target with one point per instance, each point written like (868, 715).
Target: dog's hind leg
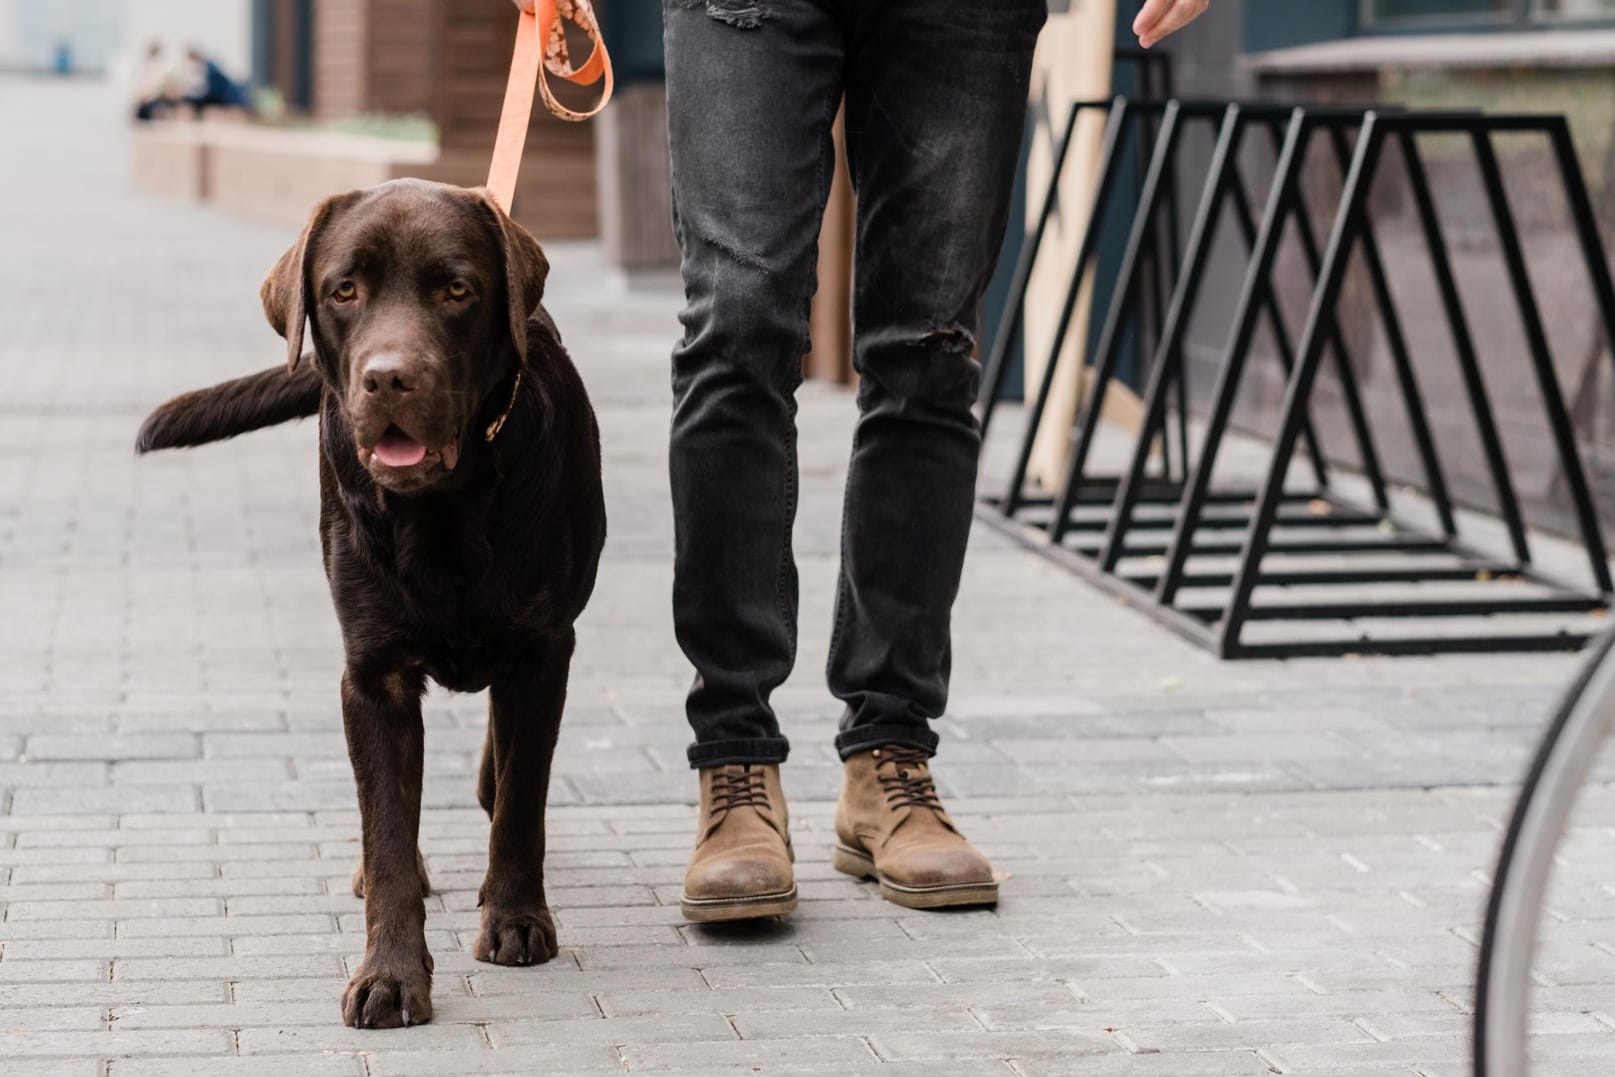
(488, 775)
(381, 713)
(525, 719)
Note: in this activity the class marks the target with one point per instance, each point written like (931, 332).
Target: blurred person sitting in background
(211, 87)
(159, 88)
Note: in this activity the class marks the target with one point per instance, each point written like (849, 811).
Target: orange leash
(540, 52)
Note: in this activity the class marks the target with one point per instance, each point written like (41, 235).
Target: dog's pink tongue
(398, 449)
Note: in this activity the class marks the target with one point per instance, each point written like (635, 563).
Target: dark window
(1459, 13)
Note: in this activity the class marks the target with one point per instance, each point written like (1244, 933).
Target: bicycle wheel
(1560, 769)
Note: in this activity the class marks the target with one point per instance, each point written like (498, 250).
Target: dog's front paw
(516, 936)
(389, 994)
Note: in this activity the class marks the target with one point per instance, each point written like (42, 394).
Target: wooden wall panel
(402, 56)
(339, 58)
(450, 58)
(556, 196)
(374, 57)
(636, 205)
(1073, 63)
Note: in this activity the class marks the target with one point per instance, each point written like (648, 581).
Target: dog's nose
(390, 373)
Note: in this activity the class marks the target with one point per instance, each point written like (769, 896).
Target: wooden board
(636, 206)
(831, 323)
(1073, 64)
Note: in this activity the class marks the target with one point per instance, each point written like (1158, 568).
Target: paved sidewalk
(1247, 868)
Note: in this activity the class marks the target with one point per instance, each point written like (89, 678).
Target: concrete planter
(278, 175)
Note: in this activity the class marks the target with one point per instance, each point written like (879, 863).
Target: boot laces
(734, 787)
(909, 783)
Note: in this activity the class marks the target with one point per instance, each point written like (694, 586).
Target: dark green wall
(1277, 24)
(634, 30)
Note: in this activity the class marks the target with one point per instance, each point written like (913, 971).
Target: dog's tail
(234, 407)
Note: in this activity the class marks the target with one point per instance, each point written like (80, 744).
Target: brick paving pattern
(1214, 869)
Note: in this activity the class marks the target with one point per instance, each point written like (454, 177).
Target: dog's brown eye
(458, 291)
(345, 292)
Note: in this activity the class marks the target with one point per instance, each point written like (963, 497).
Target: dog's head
(419, 295)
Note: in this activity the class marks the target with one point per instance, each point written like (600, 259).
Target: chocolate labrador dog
(461, 519)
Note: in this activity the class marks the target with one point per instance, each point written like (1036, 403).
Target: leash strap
(540, 52)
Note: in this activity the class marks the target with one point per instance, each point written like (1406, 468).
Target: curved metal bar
(1563, 761)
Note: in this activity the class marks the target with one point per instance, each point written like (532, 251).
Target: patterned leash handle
(540, 52)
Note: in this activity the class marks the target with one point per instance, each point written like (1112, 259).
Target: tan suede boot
(892, 827)
(741, 866)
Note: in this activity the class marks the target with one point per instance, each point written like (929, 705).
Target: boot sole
(718, 910)
(850, 861)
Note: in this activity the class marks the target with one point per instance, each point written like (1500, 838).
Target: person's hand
(1162, 17)
(525, 5)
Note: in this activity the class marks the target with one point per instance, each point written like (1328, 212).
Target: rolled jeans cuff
(722, 753)
(849, 742)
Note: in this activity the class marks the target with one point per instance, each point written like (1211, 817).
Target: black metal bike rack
(1136, 534)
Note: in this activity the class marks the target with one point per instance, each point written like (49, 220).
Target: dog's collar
(499, 423)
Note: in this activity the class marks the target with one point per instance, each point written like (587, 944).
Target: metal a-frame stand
(1137, 535)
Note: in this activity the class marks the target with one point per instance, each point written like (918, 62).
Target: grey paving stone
(757, 974)
(70, 891)
(114, 1043)
(830, 1051)
(944, 1046)
(48, 746)
(233, 890)
(93, 864)
(841, 1065)
(230, 926)
(31, 773)
(187, 720)
(114, 839)
(129, 909)
(492, 982)
(102, 994)
(65, 1067)
(157, 772)
(221, 1015)
(294, 989)
(52, 971)
(349, 945)
(548, 1058)
(313, 1065)
(43, 801)
(99, 948)
(1184, 1064)
(794, 1024)
(247, 796)
(274, 1040)
(231, 968)
(730, 1001)
(80, 1018)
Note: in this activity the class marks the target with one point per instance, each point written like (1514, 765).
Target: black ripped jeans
(935, 94)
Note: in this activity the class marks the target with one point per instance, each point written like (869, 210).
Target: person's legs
(936, 103)
(751, 93)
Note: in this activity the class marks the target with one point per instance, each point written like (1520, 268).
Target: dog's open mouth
(399, 450)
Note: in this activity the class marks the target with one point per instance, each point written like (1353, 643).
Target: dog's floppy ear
(526, 269)
(284, 291)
